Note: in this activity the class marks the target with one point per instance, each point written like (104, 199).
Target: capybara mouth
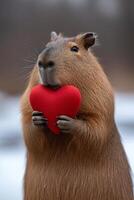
(54, 87)
(48, 79)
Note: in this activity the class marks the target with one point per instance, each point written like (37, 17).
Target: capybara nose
(46, 64)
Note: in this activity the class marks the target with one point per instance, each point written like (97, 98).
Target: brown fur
(90, 163)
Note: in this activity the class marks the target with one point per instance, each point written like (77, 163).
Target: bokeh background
(25, 27)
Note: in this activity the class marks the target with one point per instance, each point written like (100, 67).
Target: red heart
(53, 103)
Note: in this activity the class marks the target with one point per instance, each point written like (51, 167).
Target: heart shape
(53, 103)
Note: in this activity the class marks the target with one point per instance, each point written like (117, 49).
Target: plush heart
(53, 103)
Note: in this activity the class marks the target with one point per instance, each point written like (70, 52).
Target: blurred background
(25, 27)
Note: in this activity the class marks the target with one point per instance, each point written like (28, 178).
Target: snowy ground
(12, 152)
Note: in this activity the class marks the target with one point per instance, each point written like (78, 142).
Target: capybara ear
(88, 39)
(53, 36)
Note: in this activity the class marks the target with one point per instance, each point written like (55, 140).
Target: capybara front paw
(65, 124)
(38, 119)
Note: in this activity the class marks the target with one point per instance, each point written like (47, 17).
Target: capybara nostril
(41, 64)
(50, 64)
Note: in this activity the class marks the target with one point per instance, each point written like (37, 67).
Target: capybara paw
(65, 124)
(38, 119)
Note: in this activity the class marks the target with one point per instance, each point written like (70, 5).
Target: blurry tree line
(25, 27)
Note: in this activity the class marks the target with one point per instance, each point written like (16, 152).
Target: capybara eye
(75, 48)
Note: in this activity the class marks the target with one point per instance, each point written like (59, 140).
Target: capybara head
(66, 60)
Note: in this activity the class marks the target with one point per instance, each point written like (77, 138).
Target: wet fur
(89, 163)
